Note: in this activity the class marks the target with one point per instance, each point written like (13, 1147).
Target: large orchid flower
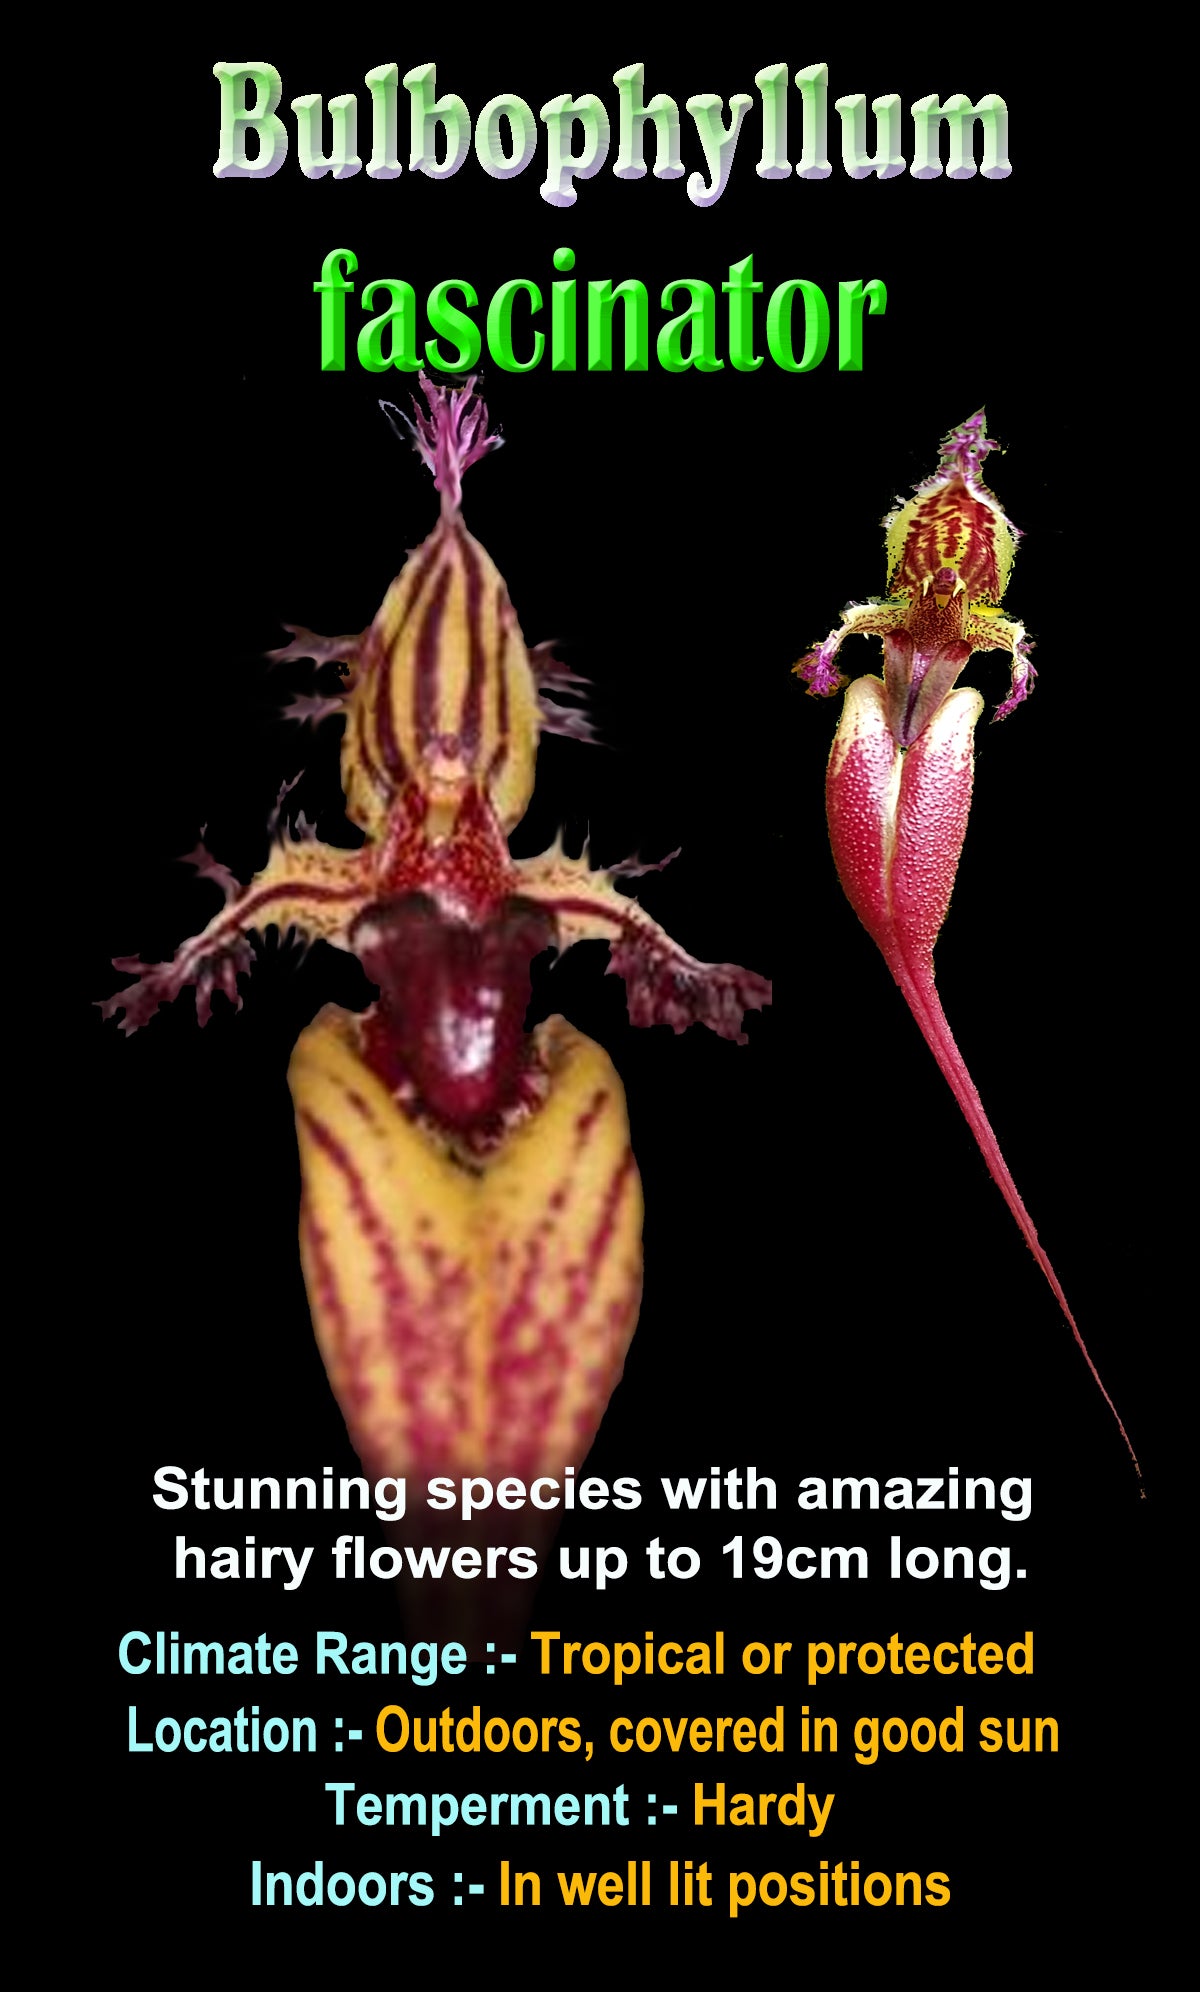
(471, 1212)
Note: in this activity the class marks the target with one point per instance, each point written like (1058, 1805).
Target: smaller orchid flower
(898, 785)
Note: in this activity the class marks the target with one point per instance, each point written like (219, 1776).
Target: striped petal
(472, 1317)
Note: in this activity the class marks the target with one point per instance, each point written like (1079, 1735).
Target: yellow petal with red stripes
(472, 1317)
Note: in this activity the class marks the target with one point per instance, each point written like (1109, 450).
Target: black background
(833, 1284)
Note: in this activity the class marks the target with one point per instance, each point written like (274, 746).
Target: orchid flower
(471, 1214)
(898, 785)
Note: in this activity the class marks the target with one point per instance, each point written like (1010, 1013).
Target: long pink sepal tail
(897, 819)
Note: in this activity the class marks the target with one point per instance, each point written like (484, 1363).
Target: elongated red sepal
(897, 820)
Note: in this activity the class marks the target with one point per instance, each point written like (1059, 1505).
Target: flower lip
(449, 1022)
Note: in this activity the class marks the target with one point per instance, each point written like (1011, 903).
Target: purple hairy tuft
(160, 982)
(451, 436)
(559, 681)
(636, 868)
(679, 992)
(820, 672)
(312, 709)
(277, 820)
(965, 447)
(1023, 675)
(220, 972)
(207, 866)
(322, 649)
